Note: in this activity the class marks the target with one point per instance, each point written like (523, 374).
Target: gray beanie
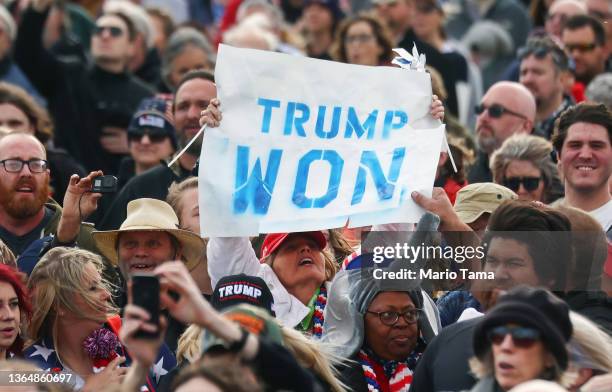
(352, 291)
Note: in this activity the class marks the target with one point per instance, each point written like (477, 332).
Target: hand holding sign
(211, 116)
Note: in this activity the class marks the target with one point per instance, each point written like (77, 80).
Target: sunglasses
(529, 183)
(155, 135)
(113, 30)
(496, 111)
(583, 48)
(522, 337)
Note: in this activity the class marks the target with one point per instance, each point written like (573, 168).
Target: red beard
(19, 208)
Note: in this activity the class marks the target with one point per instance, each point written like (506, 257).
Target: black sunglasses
(496, 111)
(522, 337)
(155, 135)
(529, 183)
(582, 48)
(113, 30)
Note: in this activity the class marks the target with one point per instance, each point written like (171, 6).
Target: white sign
(308, 144)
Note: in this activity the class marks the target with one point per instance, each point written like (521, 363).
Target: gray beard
(487, 145)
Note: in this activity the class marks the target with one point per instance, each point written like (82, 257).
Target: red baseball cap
(274, 240)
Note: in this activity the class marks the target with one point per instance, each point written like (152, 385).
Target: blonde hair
(591, 341)
(314, 355)
(58, 277)
(175, 192)
(189, 346)
(308, 352)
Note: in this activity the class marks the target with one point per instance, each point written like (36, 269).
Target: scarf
(389, 375)
(317, 317)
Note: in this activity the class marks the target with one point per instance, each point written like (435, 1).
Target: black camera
(104, 184)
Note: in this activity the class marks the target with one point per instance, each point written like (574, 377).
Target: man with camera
(26, 211)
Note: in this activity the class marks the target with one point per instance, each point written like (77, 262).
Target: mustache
(26, 182)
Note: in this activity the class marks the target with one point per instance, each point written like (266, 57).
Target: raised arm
(41, 67)
(230, 256)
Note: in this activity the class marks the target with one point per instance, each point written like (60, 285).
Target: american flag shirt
(42, 354)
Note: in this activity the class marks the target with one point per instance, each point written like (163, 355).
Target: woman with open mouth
(522, 338)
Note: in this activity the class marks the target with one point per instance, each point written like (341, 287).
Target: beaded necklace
(317, 317)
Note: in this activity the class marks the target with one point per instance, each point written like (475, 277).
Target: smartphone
(145, 293)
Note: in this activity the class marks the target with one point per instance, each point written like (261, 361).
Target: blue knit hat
(152, 113)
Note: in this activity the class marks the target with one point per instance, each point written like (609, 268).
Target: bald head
(559, 12)
(8, 143)
(515, 97)
(574, 7)
(510, 108)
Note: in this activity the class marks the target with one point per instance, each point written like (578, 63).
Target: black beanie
(530, 307)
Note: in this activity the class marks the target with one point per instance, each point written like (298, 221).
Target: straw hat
(151, 215)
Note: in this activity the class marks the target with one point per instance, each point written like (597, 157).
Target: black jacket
(451, 65)
(351, 375)
(594, 305)
(480, 171)
(444, 365)
(83, 99)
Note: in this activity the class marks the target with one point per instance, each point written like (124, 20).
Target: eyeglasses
(496, 111)
(529, 183)
(155, 135)
(15, 165)
(113, 30)
(390, 318)
(358, 38)
(522, 337)
(583, 48)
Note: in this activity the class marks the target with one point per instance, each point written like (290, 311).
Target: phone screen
(145, 294)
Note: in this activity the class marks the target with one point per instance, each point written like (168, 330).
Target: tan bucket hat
(151, 215)
(473, 200)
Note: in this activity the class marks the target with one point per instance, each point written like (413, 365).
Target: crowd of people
(118, 87)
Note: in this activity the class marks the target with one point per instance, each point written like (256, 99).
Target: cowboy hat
(151, 215)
